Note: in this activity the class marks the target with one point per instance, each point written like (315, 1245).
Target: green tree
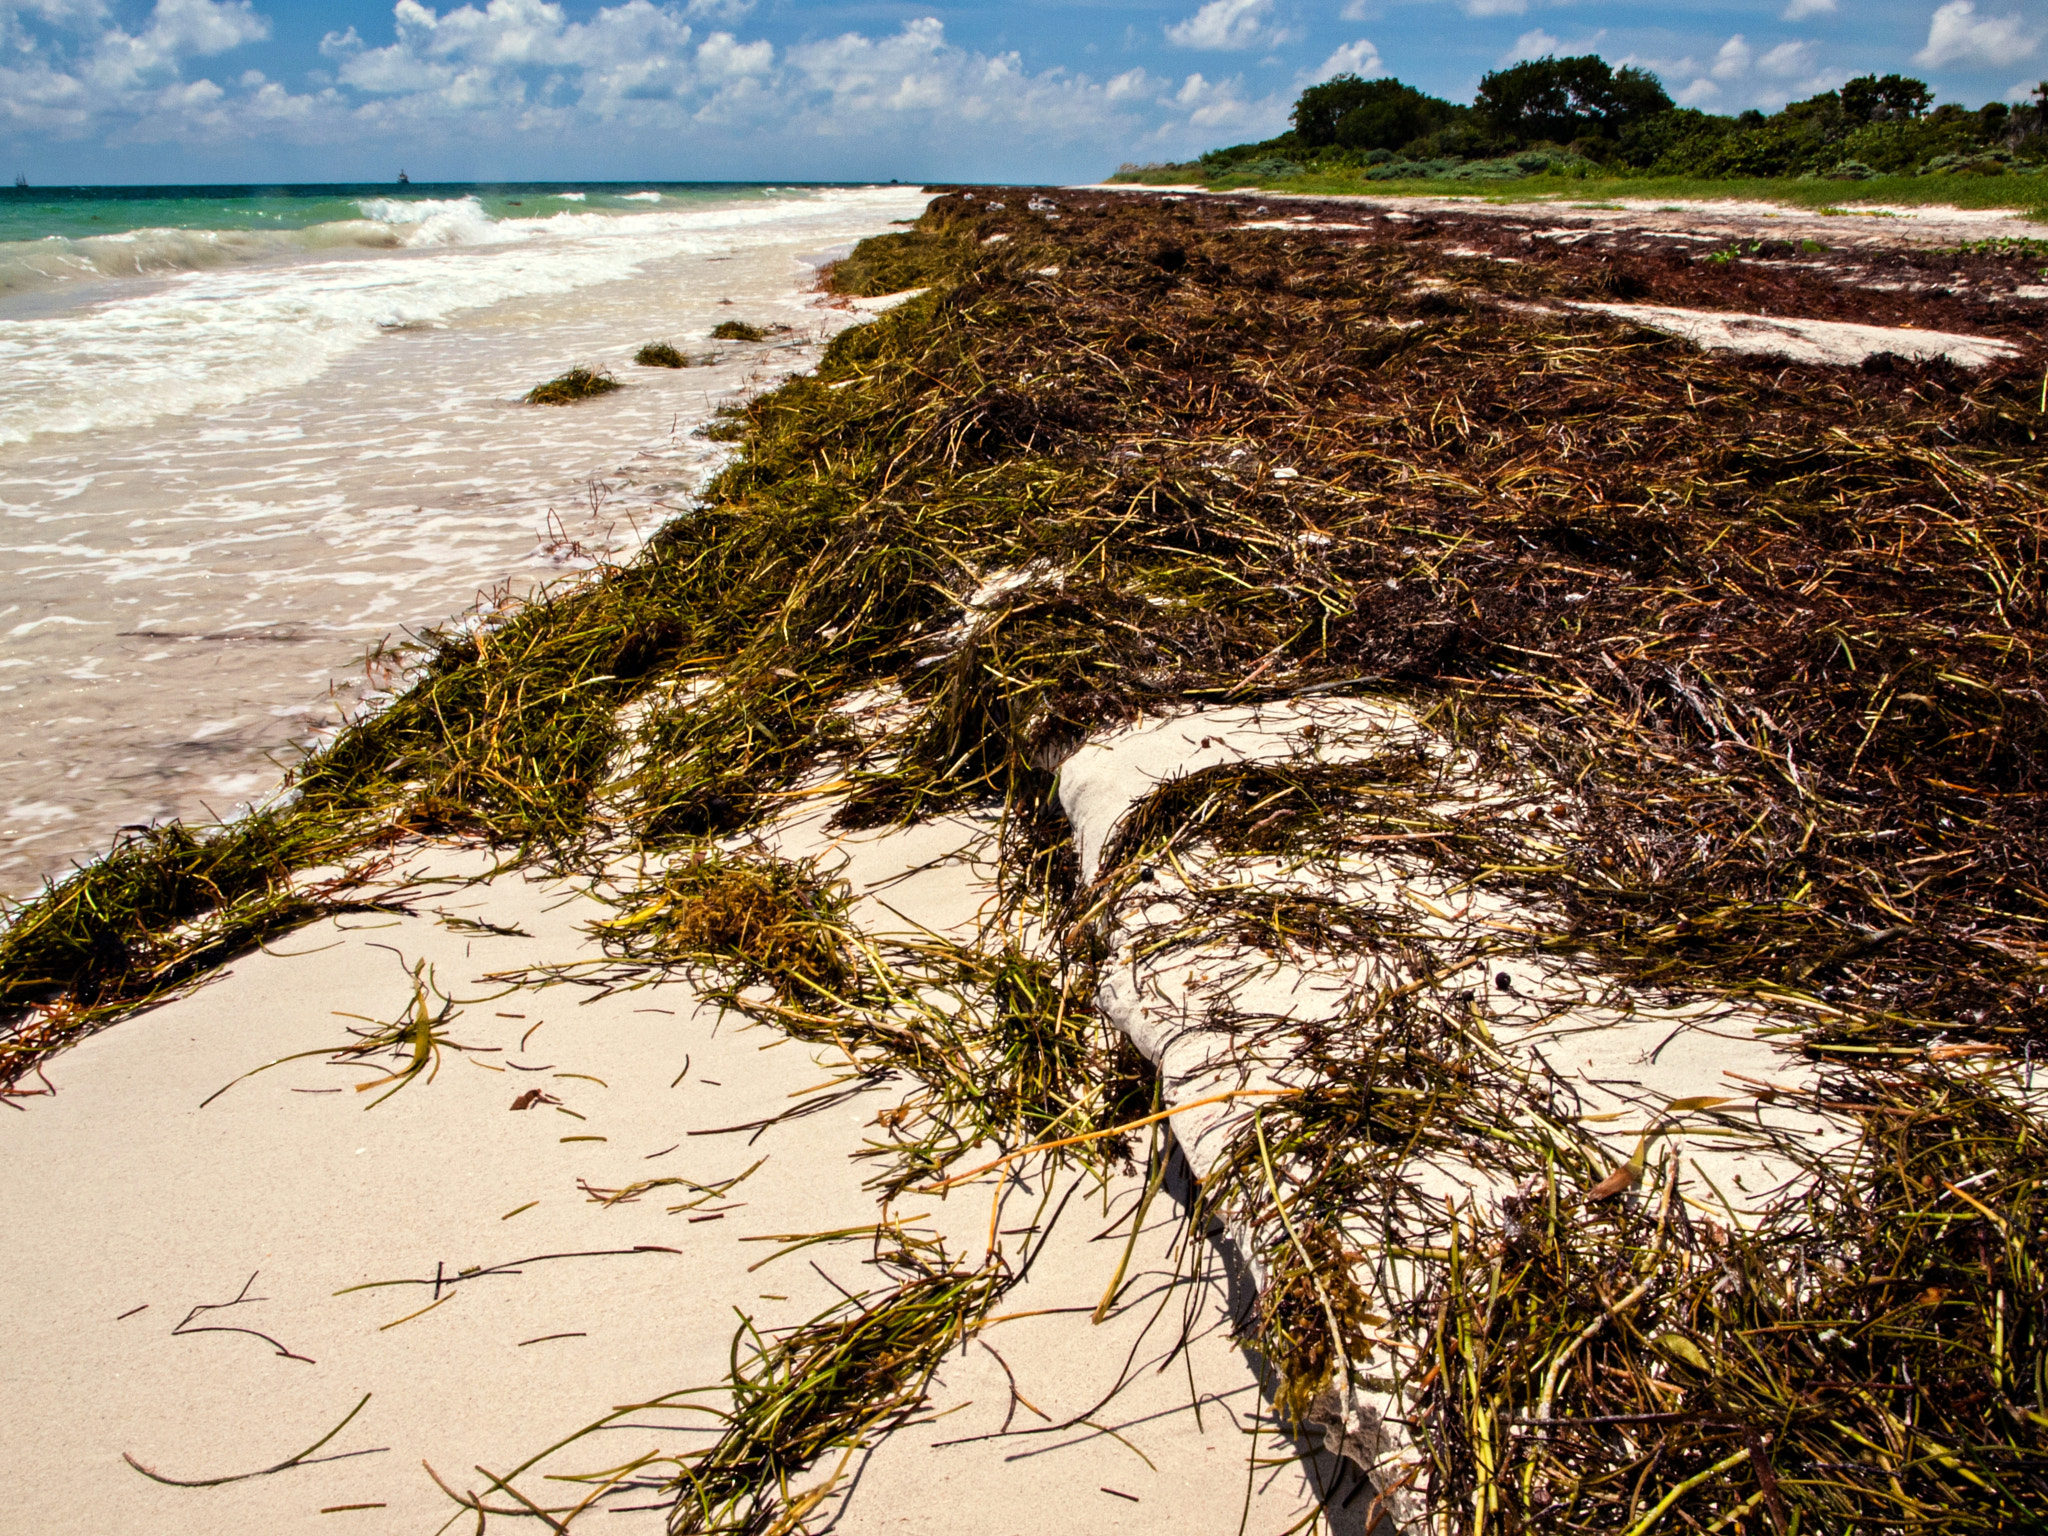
(1678, 138)
(1367, 114)
(1566, 99)
(1893, 99)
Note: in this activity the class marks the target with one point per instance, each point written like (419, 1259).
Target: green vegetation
(738, 330)
(1569, 186)
(659, 354)
(578, 383)
(1577, 119)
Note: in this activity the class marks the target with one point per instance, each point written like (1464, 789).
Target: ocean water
(248, 437)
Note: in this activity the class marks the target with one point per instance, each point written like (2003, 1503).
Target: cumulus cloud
(1737, 60)
(1799, 10)
(1741, 76)
(1131, 85)
(1956, 34)
(108, 71)
(495, 81)
(177, 29)
(1359, 58)
(205, 26)
(524, 62)
(1533, 44)
(1493, 7)
(1359, 10)
(1220, 104)
(1224, 26)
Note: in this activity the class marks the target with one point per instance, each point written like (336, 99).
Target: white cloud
(1799, 10)
(1223, 26)
(1787, 60)
(1493, 7)
(1359, 58)
(661, 82)
(1738, 61)
(1734, 60)
(1359, 10)
(721, 56)
(1533, 44)
(1220, 104)
(1739, 76)
(38, 98)
(204, 26)
(1130, 86)
(1956, 34)
(873, 75)
(468, 60)
(63, 85)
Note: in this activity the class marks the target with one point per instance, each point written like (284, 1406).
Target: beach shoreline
(1395, 989)
(194, 596)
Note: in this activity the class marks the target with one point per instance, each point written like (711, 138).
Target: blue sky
(1040, 90)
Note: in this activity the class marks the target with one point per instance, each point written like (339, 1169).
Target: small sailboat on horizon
(20, 182)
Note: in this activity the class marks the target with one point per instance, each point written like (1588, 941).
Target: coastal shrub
(1368, 114)
(1994, 162)
(659, 354)
(578, 383)
(1559, 100)
(1669, 142)
(737, 330)
(1267, 168)
(1621, 119)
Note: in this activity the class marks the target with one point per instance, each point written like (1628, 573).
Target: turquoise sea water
(53, 236)
(36, 213)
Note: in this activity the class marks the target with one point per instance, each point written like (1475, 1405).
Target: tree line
(1558, 111)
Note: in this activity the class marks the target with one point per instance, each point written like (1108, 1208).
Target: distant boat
(20, 183)
(404, 180)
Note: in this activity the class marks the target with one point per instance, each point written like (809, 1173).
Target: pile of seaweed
(1771, 630)
(579, 383)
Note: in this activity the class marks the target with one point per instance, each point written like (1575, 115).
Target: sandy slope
(125, 1194)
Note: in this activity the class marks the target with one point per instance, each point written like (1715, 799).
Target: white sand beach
(138, 1213)
(207, 1281)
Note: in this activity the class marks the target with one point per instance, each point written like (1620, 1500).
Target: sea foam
(441, 221)
(237, 314)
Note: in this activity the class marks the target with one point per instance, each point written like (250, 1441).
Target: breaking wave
(243, 312)
(386, 224)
